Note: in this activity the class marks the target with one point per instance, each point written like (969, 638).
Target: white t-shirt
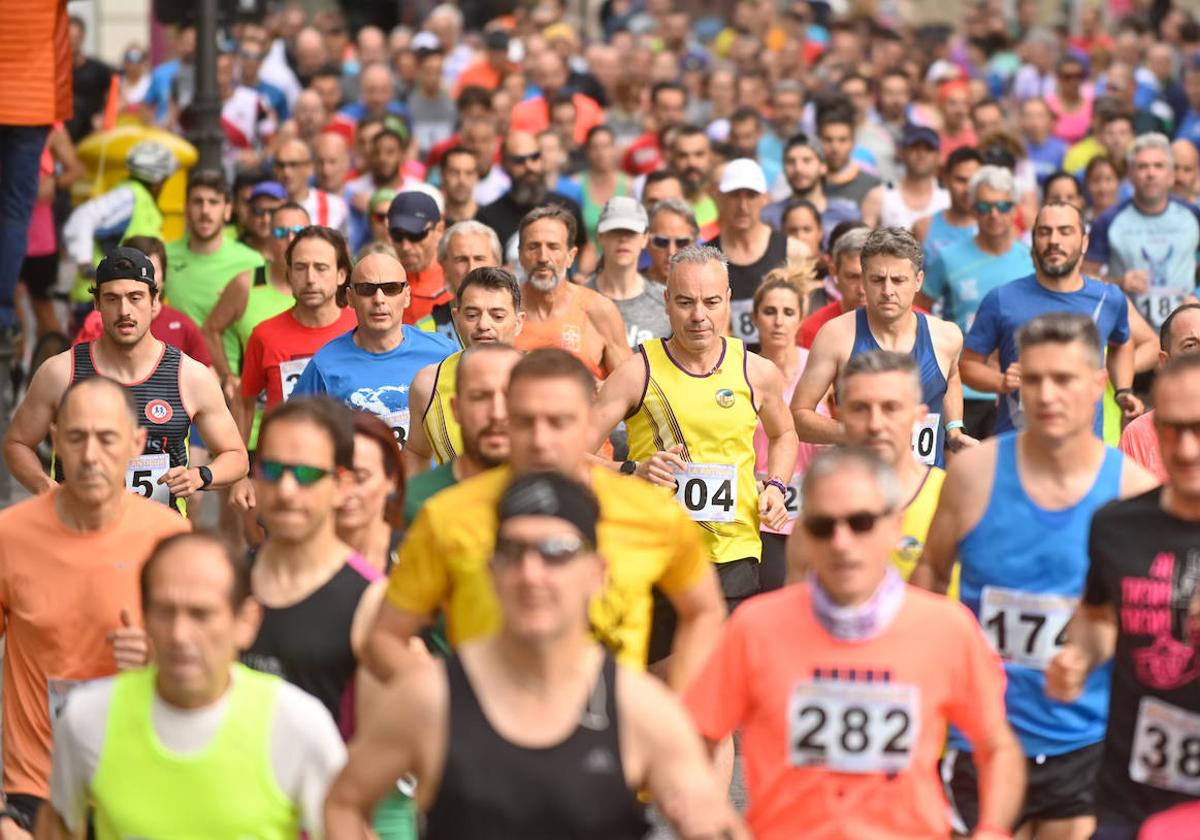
(306, 749)
(896, 212)
(326, 209)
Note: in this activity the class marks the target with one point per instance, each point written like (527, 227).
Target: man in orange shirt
(69, 565)
(842, 724)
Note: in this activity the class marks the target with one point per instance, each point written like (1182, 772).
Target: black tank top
(308, 643)
(744, 280)
(494, 790)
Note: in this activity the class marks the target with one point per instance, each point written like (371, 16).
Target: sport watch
(205, 477)
(628, 467)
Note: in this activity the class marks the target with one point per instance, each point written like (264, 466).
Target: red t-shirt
(428, 290)
(643, 156)
(813, 323)
(170, 327)
(1140, 442)
(283, 340)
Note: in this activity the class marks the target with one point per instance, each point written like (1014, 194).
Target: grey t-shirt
(645, 316)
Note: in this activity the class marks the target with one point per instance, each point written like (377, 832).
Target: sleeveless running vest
(744, 280)
(572, 332)
(492, 789)
(227, 789)
(308, 643)
(441, 429)
(1024, 567)
(914, 529)
(714, 418)
(929, 436)
(263, 301)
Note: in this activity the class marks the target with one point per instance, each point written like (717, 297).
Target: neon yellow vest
(914, 528)
(224, 792)
(146, 220)
(441, 429)
(714, 418)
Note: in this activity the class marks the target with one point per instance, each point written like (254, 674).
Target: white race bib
(1025, 628)
(852, 727)
(1156, 304)
(924, 439)
(398, 422)
(742, 317)
(792, 498)
(1166, 747)
(57, 692)
(289, 375)
(143, 473)
(708, 492)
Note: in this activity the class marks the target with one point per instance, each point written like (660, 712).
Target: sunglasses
(380, 217)
(862, 522)
(554, 551)
(285, 232)
(399, 235)
(1071, 77)
(291, 164)
(985, 207)
(521, 160)
(272, 471)
(389, 289)
(665, 241)
(261, 211)
(250, 56)
(1174, 431)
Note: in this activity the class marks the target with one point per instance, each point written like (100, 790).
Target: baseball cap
(497, 40)
(743, 174)
(623, 213)
(413, 212)
(270, 189)
(915, 134)
(126, 264)
(425, 42)
(552, 494)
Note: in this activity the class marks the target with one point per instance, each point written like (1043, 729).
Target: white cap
(425, 40)
(743, 174)
(623, 213)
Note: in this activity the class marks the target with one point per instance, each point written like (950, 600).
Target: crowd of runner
(594, 413)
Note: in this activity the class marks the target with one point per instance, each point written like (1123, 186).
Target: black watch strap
(629, 467)
(205, 477)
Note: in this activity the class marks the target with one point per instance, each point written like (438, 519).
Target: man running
(172, 391)
(488, 309)
(621, 233)
(68, 580)
(956, 223)
(206, 747)
(1015, 512)
(691, 404)
(494, 733)
(1135, 611)
(892, 276)
(842, 708)
(415, 227)
(847, 279)
(464, 247)
(648, 539)
(372, 367)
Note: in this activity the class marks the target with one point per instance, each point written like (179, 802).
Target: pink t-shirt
(1140, 442)
(805, 454)
(1075, 125)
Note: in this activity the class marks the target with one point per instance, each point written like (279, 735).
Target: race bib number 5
(851, 727)
(289, 375)
(1025, 628)
(708, 492)
(924, 439)
(743, 326)
(143, 473)
(1166, 747)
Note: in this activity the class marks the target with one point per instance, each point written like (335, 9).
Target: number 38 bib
(851, 727)
(1166, 747)
(708, 492)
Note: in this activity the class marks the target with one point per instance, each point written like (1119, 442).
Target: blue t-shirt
(1163, 244)
(1006, 308)
(940, 236)
(962, 274)
(837, 210)
(374, 382)
(1189, 128)
(1047, 157)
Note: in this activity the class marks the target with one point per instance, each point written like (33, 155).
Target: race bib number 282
(851, 727)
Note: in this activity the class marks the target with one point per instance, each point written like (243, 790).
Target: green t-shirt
(195, 281)
(419, 489)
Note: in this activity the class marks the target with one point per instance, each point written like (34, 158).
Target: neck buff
(864, 621)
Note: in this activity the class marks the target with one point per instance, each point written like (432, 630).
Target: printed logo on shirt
(1157, 606)
(572, 338)
(159, 411)
(724, 398)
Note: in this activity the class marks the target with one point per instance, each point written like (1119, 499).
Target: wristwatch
(205, 477)
(628, 467)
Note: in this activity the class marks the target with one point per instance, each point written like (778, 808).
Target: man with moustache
(464, 247)
(690, 158)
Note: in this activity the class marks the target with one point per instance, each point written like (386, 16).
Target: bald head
(88, 395)
(95, 435)
(377, 88)
(1187, 170)
(377, 268)
(550, 73)
(520, 143)
(332, 160)
(379, 292)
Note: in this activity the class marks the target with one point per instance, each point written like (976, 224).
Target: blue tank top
(928, 441)
(1031, 553)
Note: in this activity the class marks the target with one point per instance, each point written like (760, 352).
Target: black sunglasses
(291, 164)
(399, 235)
(389, 289)
(665, 241)
(521, 160)
(272, 471)
(860, 522)
(554, 551)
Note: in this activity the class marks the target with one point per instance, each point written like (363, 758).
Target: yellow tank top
(915, 528)
(441, 429)
(714, 418)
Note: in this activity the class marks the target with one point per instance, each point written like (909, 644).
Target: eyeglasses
(521, 160)
(291, 164)
(1174, 431)
(400, 235)
(554, 551)
(381, 217)
(261, 211)
(665, 241)
(285, 232)
(1071, 77)
(272, 471)
(861, 522)
(389, 289)
(985, 207)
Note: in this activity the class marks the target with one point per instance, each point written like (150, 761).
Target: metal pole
(206, 134)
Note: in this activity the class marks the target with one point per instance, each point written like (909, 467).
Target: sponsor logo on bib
(159, 411)
(725, 398)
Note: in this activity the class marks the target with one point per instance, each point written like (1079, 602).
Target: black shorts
(25, 804)
(1057, 787)
(739, 581)
(772, 573)
(979, 418)
(39, 275)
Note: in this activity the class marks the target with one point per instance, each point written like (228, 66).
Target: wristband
(953, 424)
(777, 484)
(990, 831)
(1121, 392)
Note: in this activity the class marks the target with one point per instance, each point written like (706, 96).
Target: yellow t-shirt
(441, 428)
(646, 537)
(915, 528)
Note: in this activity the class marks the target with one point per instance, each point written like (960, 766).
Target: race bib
(791, 499)
(708, 492)
(289, 375)
(1157, 304)
(743, 326)
(852, 727)
(924, 439)
(143, 473)
(57, 692)
(1166, 747)
(1025, 628)
(398, 422)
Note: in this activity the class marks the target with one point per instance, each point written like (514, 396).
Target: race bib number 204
(708, 492)
(851, 727)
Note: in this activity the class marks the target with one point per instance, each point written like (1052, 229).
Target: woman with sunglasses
(601, 178)
(1071, 101)
(370, 513)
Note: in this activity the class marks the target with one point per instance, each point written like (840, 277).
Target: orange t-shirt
(798, 695)
(62, 592)
(428, 290)
(533, 115)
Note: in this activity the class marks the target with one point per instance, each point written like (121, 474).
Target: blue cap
(915, 134)
(413, 212)
(273, 189)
